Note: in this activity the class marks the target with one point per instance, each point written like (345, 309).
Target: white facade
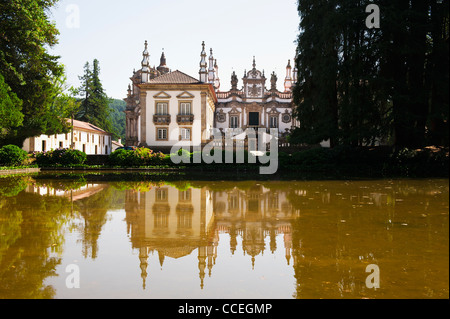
(157, 97)
(254, 105)
(170, 109)
(175, 117)
(86, 138)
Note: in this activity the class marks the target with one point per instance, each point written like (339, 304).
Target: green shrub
(119, 157)
(12, 155)
(313, 159)
(412, 162)
(63, 157)
(284, 159)
(136, 158)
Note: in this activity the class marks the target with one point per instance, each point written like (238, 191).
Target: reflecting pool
(79, 236)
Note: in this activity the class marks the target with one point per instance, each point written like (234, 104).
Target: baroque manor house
(165, 108)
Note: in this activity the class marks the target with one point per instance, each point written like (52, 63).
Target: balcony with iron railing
(185, 119)
(161, 119)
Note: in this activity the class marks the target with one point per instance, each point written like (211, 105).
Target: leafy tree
(32, 74)
(10, 109)
(117, 118)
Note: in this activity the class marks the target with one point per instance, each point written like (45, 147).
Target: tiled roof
(175, 77)
(86, 126)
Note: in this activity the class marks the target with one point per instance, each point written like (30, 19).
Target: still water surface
(222, 239)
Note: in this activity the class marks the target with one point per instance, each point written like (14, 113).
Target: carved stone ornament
(254, 90)
(286, 118)
(221, 117)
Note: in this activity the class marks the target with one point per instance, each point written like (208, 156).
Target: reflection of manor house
(165, 108)
(172, 223)
(254, 215)
(175, 222)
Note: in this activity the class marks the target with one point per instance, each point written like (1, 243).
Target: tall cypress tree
(437, 75)
(85, 91)
(94, 104)
(315, 93)
(387, 81)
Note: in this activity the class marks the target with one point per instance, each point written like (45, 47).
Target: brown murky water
(247, 239)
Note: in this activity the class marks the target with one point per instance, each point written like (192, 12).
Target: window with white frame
(185, 108)
(162, 134)
(234, 121)
(273, 122)
(185, 134)
(162, 109)
(185, 196)
(162, 194)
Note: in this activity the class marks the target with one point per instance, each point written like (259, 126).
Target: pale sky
(114, 32)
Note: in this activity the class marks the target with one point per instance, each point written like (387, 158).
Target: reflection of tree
(64, 184)
(331, 229)
(94, 210)
(11, 186)
(344, 226)
(10, 221)
(30, 227)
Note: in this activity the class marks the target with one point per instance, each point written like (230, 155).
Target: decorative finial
(203, 65)
(163, 59)
(145, 64)
(254, 62)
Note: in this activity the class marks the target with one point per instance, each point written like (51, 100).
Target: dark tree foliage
(358, 85)
(33, 76)
(117, 117)
(94, 103)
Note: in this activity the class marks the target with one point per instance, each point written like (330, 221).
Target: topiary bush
(12, 155)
